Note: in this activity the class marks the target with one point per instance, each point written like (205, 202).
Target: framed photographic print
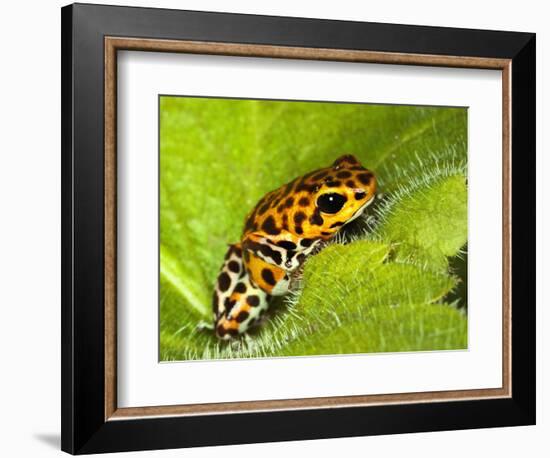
(282, 228)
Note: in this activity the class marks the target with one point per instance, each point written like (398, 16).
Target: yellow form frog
(284, 227)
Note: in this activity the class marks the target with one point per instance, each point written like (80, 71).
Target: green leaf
(403, 327)
(336, 306)
(218, 157)
(430, 224)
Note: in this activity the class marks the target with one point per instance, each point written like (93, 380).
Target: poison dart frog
(283, 229)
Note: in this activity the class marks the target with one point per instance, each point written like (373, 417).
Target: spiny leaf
(415, 327)
(431, 224)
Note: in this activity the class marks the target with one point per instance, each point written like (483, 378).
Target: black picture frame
(84, 427)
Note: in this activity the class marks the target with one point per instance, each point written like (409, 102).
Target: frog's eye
(331, 203)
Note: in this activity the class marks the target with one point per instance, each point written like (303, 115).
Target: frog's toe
(205, 326)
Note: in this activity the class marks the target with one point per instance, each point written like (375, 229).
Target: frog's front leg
(285, 250)
(237, 302)
(269, 261)
(271, 278)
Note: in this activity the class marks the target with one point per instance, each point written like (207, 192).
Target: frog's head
(341, 193)
(317, 204)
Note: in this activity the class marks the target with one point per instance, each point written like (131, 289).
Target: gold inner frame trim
(114, 44)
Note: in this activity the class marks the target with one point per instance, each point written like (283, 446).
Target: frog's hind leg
(237, 303)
